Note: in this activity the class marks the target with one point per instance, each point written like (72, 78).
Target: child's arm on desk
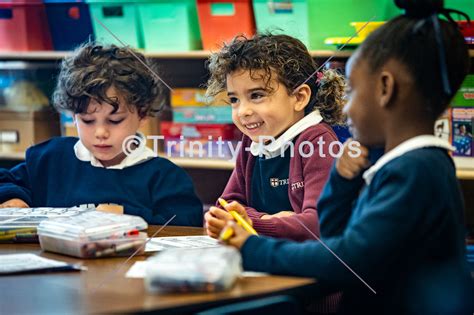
(15, 187)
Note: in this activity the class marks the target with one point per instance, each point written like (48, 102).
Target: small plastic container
(221, 20)
(69, 23)
(24, 26)
(19, 225)
(93, 235)
(195, 270)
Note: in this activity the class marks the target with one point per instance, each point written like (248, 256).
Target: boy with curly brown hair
(110, 91)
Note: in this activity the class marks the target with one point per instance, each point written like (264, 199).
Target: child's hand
(348, 166)
(14, 203)
(239, 235)
(217, 218)
(280, 214)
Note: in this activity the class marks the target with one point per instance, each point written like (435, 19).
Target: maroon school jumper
(307, 176)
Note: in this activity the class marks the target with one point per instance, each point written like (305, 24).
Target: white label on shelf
(9, 136)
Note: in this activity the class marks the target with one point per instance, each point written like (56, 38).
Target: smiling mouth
(253, 125)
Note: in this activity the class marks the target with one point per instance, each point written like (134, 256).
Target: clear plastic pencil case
(193, 270)
(19, 225)
(94, 234)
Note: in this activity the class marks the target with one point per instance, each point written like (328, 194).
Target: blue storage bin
(69, 23)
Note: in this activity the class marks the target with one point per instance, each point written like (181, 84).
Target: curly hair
(288, 58)
(93, 68)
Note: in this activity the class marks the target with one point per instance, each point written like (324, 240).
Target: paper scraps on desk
(139, 268)
(28, 263)
(192, 242)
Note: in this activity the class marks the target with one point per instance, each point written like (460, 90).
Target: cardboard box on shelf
(200, 131)
(20, 130)
(462, 125)
(195, 97)
(203, 115)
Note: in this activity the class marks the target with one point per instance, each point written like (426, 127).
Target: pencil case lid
(92, 226)
(13, 218)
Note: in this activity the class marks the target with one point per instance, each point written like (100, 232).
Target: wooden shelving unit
(465, 166)
(197, 54)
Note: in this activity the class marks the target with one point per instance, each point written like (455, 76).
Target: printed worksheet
(191, 242)
(23, 263)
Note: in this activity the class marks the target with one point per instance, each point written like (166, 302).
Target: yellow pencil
(18, 231)
(238, 218)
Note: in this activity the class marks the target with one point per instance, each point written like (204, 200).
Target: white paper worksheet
(21, 263)
(191, 242)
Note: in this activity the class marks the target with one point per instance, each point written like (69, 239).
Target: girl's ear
(302, 94)
(386, 88)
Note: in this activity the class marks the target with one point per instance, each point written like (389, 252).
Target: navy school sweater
(52, 176)
(403, 234)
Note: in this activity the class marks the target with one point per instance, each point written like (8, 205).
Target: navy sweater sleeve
(336, 202)
(367, 245)
(15, 183)
(174, 193)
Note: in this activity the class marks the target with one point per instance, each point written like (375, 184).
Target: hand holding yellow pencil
(228, 232)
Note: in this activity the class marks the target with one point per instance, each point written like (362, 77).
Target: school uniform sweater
(53, 176)
(307, 175)
(400, 229)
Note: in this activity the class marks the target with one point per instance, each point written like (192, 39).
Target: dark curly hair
(289, 59)
(93, 68)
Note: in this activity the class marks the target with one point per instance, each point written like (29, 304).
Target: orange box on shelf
(20, 130)
(195, 97)
(221, 20)
(24, 26)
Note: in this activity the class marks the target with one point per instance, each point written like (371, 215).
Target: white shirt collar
(278, 146)
(143, 154)
(404, 147)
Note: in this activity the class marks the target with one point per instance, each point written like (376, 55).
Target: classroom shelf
(13, 156)
(465, 166)
(198, 54)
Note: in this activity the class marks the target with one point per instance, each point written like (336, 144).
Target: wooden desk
(103, 288)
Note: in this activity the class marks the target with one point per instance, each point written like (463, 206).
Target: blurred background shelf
(465, 166)
(197, 54)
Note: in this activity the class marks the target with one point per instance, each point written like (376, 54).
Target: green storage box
(120, 17)
(465, 95)
(288, 17)
(312, 21)
(170, 25)
(466, 6)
